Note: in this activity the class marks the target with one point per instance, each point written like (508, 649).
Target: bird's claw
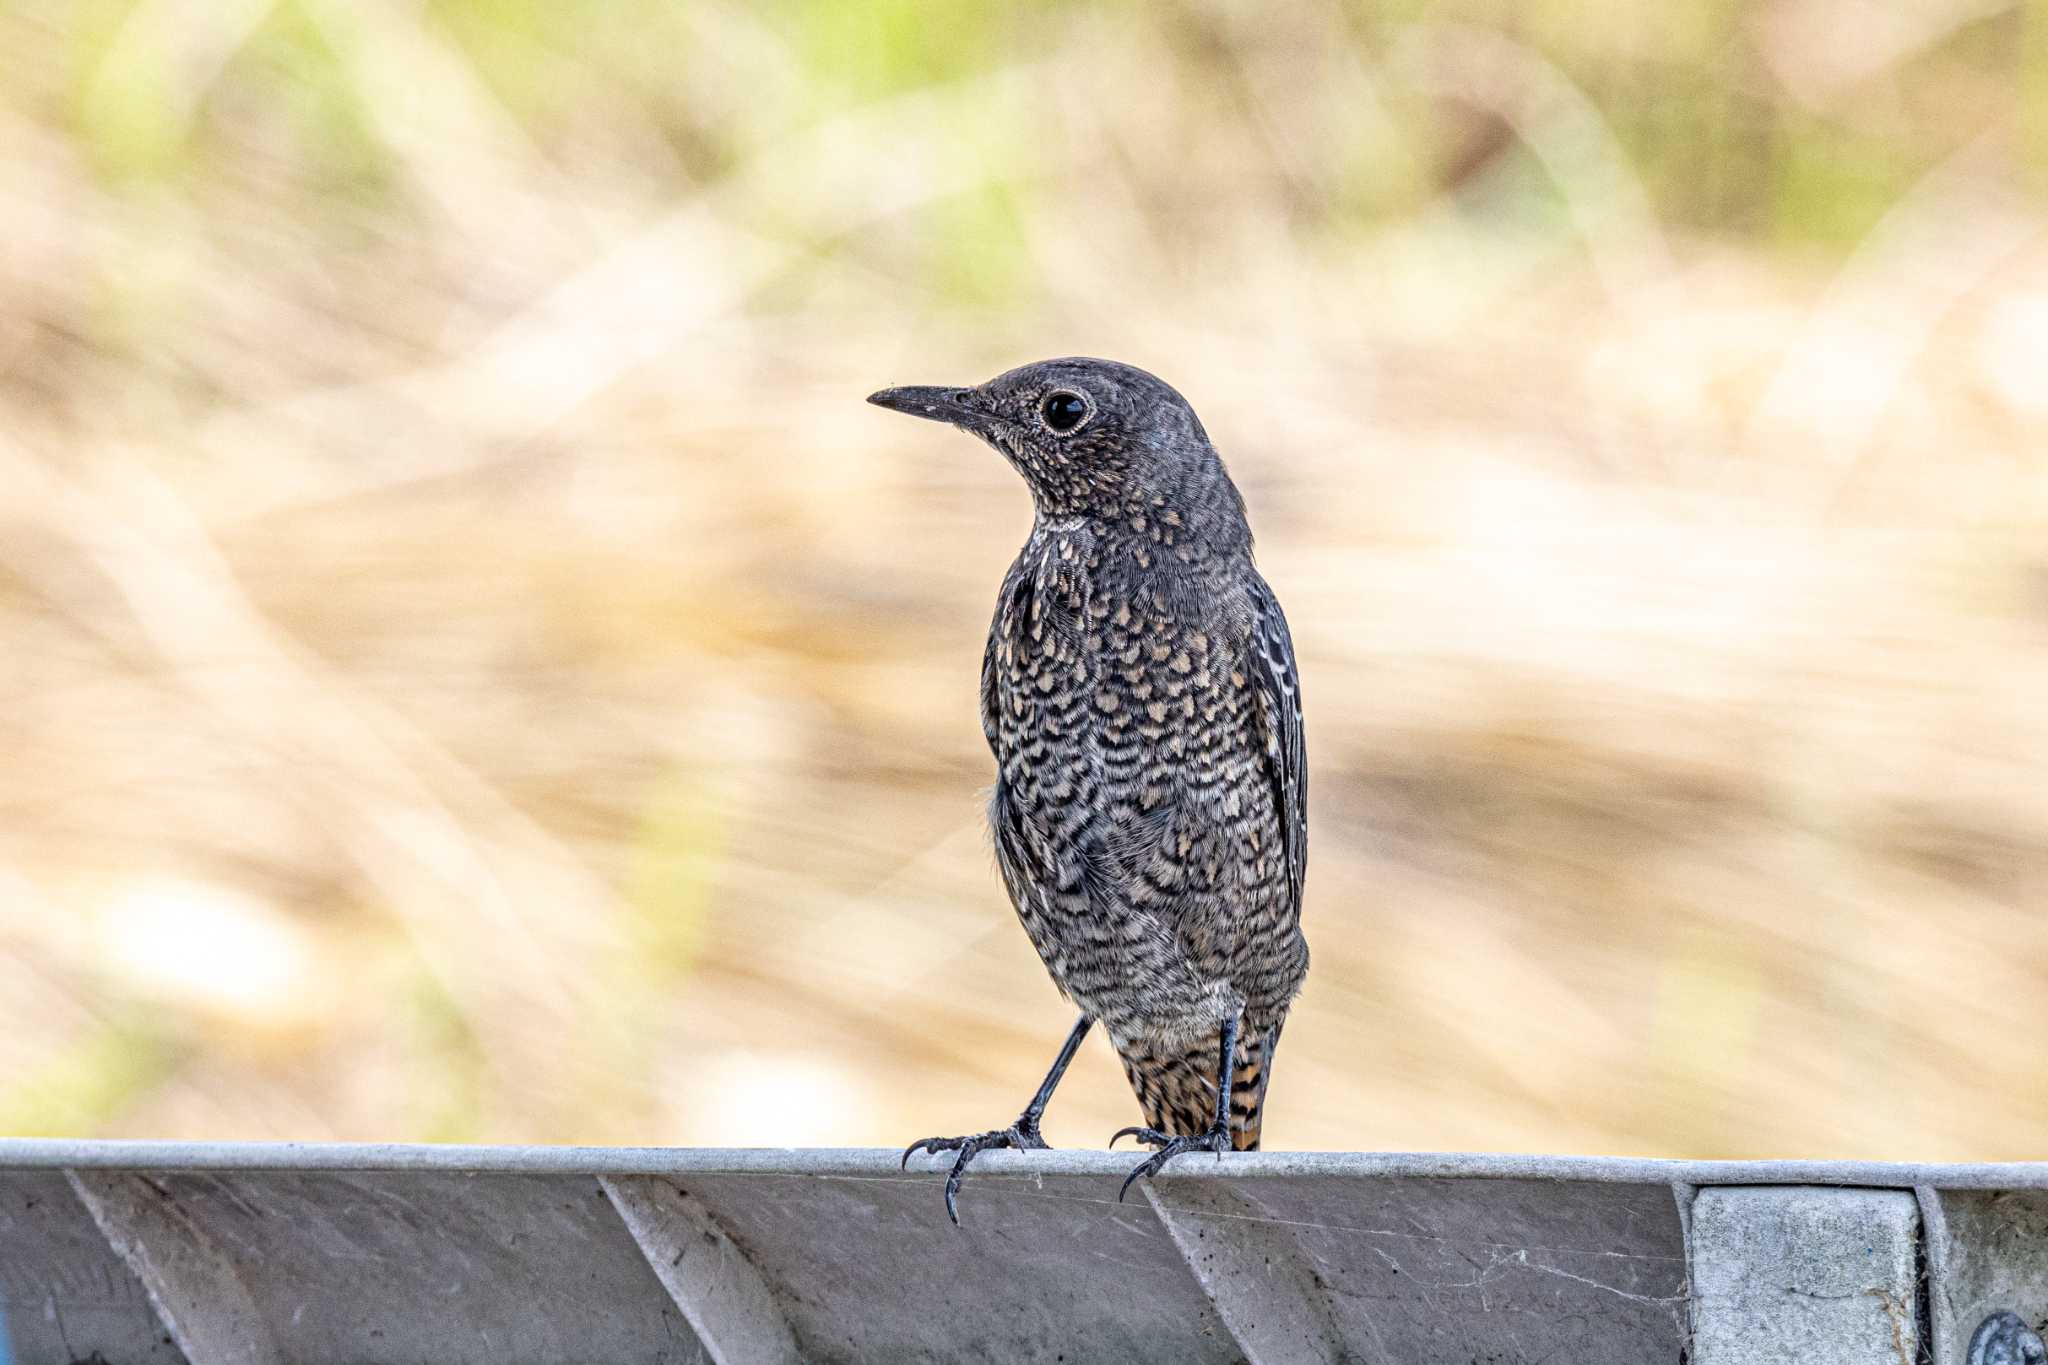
(1021, 1135)
(1142, 1134)
(1216, 1140)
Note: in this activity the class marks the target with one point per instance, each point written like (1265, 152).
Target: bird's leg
(1021, 1134)
(1216, 1140)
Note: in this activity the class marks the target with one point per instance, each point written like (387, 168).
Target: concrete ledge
(93, 1154)
(326, 1254)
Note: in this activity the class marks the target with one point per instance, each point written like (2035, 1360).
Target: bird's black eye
(1063, 411)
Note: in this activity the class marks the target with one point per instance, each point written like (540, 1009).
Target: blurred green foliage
(1719, 142)
(675, 856)
(447, 1070)
(89, 1083)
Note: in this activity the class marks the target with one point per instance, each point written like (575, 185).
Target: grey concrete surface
(1994, 1254)
(401, 1268)
(1800, 1276)
(165, 1253)
(1322, 1268)
(194, 1283)
(65, 1294)
(712, 1280)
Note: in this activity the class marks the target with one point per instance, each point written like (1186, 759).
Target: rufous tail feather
(1176, 1083)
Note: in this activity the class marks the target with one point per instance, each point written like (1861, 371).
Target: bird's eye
(1063, 411)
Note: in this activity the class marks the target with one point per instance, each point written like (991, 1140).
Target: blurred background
(472, 668)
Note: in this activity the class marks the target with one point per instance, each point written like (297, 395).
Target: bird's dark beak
(956, 406)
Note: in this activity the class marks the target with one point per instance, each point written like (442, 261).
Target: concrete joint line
(1272, 1316)
(719, 1290)
(1934, 1277)
(191, 1283)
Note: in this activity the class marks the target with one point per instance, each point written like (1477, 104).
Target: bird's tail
(1176, 1082)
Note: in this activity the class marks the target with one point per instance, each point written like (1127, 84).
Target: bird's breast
(1135, 678)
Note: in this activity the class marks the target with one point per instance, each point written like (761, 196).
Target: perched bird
(1140, 694)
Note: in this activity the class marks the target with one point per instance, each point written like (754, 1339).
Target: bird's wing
(1277, 684)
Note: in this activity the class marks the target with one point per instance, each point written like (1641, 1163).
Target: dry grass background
(472, 668)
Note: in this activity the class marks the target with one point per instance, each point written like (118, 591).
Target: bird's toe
(1019, 1135)
(1215, 1140)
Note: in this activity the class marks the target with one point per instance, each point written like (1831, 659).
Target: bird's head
(1090, 437)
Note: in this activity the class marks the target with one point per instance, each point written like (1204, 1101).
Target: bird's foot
(1021, 1135)
(1216, 1140)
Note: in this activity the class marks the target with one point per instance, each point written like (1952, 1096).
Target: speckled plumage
(1140, 696)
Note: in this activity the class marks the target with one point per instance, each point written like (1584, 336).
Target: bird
(1140, 695)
